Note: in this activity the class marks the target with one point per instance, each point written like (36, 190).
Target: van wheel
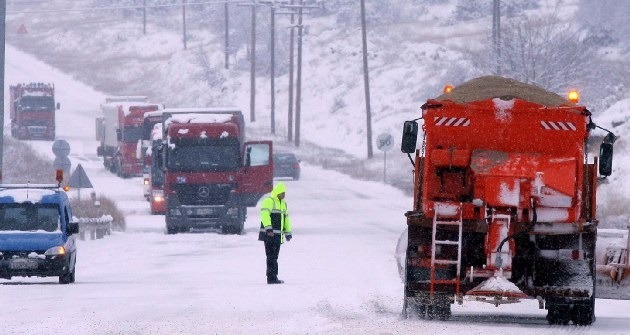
(67, 278)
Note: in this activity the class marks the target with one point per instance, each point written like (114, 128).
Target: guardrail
(97, 228)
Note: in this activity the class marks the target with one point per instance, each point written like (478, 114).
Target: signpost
(385, 142)
(61, 149)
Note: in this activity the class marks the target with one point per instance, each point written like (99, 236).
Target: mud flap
(612, 279)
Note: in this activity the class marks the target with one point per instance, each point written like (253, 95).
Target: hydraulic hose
(527, 230)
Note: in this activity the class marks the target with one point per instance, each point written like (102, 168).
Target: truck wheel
(558, 314)
(236, 228)
(583, 314)
(170, 230)
(438, 312)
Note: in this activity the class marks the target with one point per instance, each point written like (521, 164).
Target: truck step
(446, 242)
(446, 261)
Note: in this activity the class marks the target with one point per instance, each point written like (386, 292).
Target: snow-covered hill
(409, 61)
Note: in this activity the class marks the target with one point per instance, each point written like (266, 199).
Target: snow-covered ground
(340, 271)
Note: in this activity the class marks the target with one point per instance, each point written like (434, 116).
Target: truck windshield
(37, 103)
(29, 217)
(197, 156)
(132, 134)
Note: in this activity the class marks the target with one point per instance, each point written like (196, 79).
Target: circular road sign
(61, 148)
(385, 142)
(62, 163)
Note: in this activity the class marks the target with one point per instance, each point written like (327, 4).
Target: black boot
(275, 281)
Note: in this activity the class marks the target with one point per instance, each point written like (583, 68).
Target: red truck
(211, 175)
(119, 131)
(153, 177)
(33, 111)
(504, 201)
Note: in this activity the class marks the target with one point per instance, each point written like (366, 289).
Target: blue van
(36, 232)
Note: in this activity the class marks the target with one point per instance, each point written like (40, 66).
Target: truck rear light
(296, 165)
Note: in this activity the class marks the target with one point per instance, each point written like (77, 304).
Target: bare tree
(542, 51)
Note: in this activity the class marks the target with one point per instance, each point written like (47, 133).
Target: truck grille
(202, 194)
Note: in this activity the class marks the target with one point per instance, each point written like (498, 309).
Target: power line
(114, 7)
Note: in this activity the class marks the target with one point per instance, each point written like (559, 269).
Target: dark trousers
(272, 249)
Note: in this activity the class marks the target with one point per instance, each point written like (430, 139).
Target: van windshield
(29, 217)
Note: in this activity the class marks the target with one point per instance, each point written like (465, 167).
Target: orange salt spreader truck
(504, 201)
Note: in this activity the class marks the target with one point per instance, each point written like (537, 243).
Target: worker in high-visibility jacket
(275, 227)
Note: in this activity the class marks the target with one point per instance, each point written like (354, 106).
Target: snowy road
(339, 269)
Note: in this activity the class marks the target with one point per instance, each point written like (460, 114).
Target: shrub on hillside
(23, 165)
(88, 209)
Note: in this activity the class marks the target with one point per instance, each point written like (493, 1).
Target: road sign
(62, 163)
(385, 142)
(61, 148)
(79, 179)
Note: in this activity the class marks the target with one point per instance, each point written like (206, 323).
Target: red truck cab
(32, 109)
(120, 132)
(211, 175)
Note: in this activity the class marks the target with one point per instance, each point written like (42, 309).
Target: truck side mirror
(248, 156)
(158, 156)
(72, 228)
(409, 137)
(58, 106)
(605, 159)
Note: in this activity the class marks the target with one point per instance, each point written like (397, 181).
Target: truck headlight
(175, 212)
(232, 211)
(56, 251)
(158, 195)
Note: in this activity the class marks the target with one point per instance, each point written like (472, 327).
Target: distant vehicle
(32, 109)
(119, 132)
(36, 232)
(286, 165)
(153, 176)
(151, 135)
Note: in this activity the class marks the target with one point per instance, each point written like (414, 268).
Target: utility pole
(3, 17)
(273, 71)
(298, 84)
(252, 74)
(273, 6)
(273, 64)
(252, 89)
(184, 21)
(366, 83)
(290, 112)
(227, 35)
(496, 33)
(144, 17)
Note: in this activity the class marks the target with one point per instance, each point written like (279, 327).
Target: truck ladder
(446, 214)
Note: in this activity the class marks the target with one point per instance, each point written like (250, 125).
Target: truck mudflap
(612, 276)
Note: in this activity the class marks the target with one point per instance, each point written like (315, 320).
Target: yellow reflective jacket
(274, 214)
